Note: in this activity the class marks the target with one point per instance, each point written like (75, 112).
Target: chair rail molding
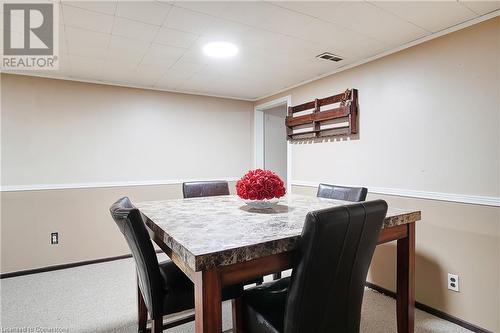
(451, 197)
(64, 186)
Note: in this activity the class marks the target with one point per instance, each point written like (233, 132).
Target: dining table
(220, 241)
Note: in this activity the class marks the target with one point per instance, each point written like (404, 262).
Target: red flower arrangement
(259, 185)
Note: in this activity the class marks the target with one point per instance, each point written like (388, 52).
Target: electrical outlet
(453, 282)
(54, 238)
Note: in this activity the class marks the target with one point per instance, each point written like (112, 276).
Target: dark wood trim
(248, 270)
(431, 310)
(392, 233)
(208, 301)
(64, 266)
(405, 299)
(177, 322)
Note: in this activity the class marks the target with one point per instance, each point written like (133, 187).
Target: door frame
(259, 144)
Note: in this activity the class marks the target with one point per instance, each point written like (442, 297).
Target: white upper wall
(61, 132)
(429, 119)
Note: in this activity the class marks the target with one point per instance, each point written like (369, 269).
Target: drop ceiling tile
(363, 18)
(267, 16)
(162, 56)
(214, 8)
(63, 47)
(117, 72)
(481, 7)
(318, 67)
(151, 12)
(134, 30)
(317, 9)
(146, 76)
(278, 46)
(342, 42)
(85, 68)
(175, 38)
(64, 62)
(77, 36)
(126, 50)
(172, 79)
(187, 20)
(86, 19)
(86, 43)
(376, 23)
(431, 16)
(221, 29)
(105, 7)
(220, 85)
(234, 69)
(188, 66)
(249, 13)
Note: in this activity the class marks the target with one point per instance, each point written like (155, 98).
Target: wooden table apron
(208, 283)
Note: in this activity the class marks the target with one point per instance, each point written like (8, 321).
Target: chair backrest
(205, 189)
(334, 254)
(354, 194)
(131, 224)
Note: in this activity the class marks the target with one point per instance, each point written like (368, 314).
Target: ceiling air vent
(329, 56)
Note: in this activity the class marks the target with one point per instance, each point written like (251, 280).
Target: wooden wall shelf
(336, 121)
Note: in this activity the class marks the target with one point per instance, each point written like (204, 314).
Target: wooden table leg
(208, 302)
(406, 282)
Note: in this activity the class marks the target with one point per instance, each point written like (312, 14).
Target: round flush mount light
(220, 49)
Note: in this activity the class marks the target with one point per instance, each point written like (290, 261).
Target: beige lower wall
(81, 216)
(468, 234)
(454, 238)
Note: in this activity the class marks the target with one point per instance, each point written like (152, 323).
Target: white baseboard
(461, 198)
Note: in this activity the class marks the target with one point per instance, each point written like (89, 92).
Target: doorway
(272, 150)
(275, 140)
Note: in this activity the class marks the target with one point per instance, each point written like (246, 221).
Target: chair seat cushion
(265, 307)
(179, 290)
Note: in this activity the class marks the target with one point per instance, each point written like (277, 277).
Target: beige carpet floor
(102, 298)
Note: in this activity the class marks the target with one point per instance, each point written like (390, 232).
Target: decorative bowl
(262, 204)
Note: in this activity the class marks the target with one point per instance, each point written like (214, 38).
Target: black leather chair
(162, 287)
(325, 291)
(327, 191)
(210, 189)
(354, 194)
(205, 189)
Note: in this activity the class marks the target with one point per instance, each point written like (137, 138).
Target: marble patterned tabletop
(214, 231)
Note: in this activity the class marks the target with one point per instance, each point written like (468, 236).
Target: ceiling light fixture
(220, 49)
